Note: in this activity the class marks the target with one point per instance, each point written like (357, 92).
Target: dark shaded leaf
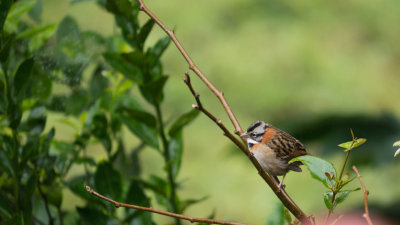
(108, 181)
(5, 163)
(318, 167)
(118, 63)
(98, 83)
(175, 150)
(137, 196)
(22, 78)
(144, 32)
(156, 184)
(189, 202)
(153, 91)
(100, 131)
(20, 8)
(91, 216)
(155, 52)
(3, 98)
(139, 115)
(77, 101)
(5, 6)
(182, 121)
(5, 48)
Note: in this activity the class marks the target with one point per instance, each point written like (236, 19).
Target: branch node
(117, 205)
(195, 106)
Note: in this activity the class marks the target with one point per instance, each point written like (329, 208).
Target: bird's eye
(253, 135)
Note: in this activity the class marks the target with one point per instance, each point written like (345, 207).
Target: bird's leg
(281, 185)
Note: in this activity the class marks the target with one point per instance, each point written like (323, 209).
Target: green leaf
(182, 121)
(5, 6)
(318, 167)
(20, 8)
(5, 48)
(175, 150)
(120, 64)
(38, 36)
(139, 115)
(29, 33)
(353, 144)
(92, 216)
(108, 181)
(22, 78)
(100, 131)
(6, 164)
(36, 12)
(144, 32)
(277, 215)
(155, 52)
(328, 200)
(98, 83)
(189, 202)
(153, 91)
(3, 98)
(146, 133)
(137, 196)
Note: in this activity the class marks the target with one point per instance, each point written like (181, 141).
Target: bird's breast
(268, 160)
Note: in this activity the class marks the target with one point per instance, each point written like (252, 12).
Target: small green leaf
(22, 78)
(120, 64)
(139, 115)
(318, 167)
(155, 53)
(5, 6)
(353, 144)
(182, 121)
(29, 33)
(189, 202)
(328, 200)
(144, 32)
(153, 91)
(277, 215)
(20, 8)
(397, 143)
(108, 181)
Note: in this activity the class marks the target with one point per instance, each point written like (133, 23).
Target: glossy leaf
(182, 121)
(328, 200)
(153, 91)
(118, 63)
(318, 167)
(22, 78)
(108, 181)
(5, 6)
(277, 215)
(353, 144)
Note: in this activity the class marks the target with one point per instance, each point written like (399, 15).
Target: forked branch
(165, 213)
(366, 214)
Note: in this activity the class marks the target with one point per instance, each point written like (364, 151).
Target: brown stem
(194, 68)
(281, 194)
(165, 213)
(366, 214)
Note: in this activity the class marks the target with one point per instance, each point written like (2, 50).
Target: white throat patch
(251, 142)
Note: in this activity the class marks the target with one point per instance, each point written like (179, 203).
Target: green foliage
(324, 172)
(96, 75)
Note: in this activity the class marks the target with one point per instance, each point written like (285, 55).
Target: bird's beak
(244, 135)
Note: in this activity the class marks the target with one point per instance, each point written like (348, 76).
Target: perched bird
(273, 149)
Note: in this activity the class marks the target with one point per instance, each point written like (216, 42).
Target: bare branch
(280, 193)
(194, 68)
(366, 214)
(165, 213)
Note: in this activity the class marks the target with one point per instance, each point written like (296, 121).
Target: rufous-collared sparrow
(273, 149)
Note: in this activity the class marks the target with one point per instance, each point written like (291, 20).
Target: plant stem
(167, 159)
(344, 165)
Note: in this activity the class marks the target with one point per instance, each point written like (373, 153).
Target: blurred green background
(312, 68)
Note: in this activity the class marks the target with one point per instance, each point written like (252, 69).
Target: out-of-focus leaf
(20, 8)
(397, 143)
(140, 128)
(350, 144)
(3, 98)
(40, 87)
(139, 115)
(22, 78)
(5, 48)
(5, 163)
(156, 184)
(318, 167)
(77, 101)
(129, 70)
(36, 12)
(5, 6)
(397, 152)
(29, 33)
(328, 200)
(108, 181)
(53, 194)
(98, 83)
(100, 131)
(155, 52)
(144, 32)
(153, 90)
(189, 202)
(136, 195)
(92, 216)
(182, 121)
(277, 215)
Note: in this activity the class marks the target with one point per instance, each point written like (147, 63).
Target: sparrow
(273, 149)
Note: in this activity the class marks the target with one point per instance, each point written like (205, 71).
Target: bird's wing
(285, 146)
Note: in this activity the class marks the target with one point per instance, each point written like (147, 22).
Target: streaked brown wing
(285, 146)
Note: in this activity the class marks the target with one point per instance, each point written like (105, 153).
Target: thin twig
(366, 214)
(165, 213)
(280, 193)
(194, 68)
